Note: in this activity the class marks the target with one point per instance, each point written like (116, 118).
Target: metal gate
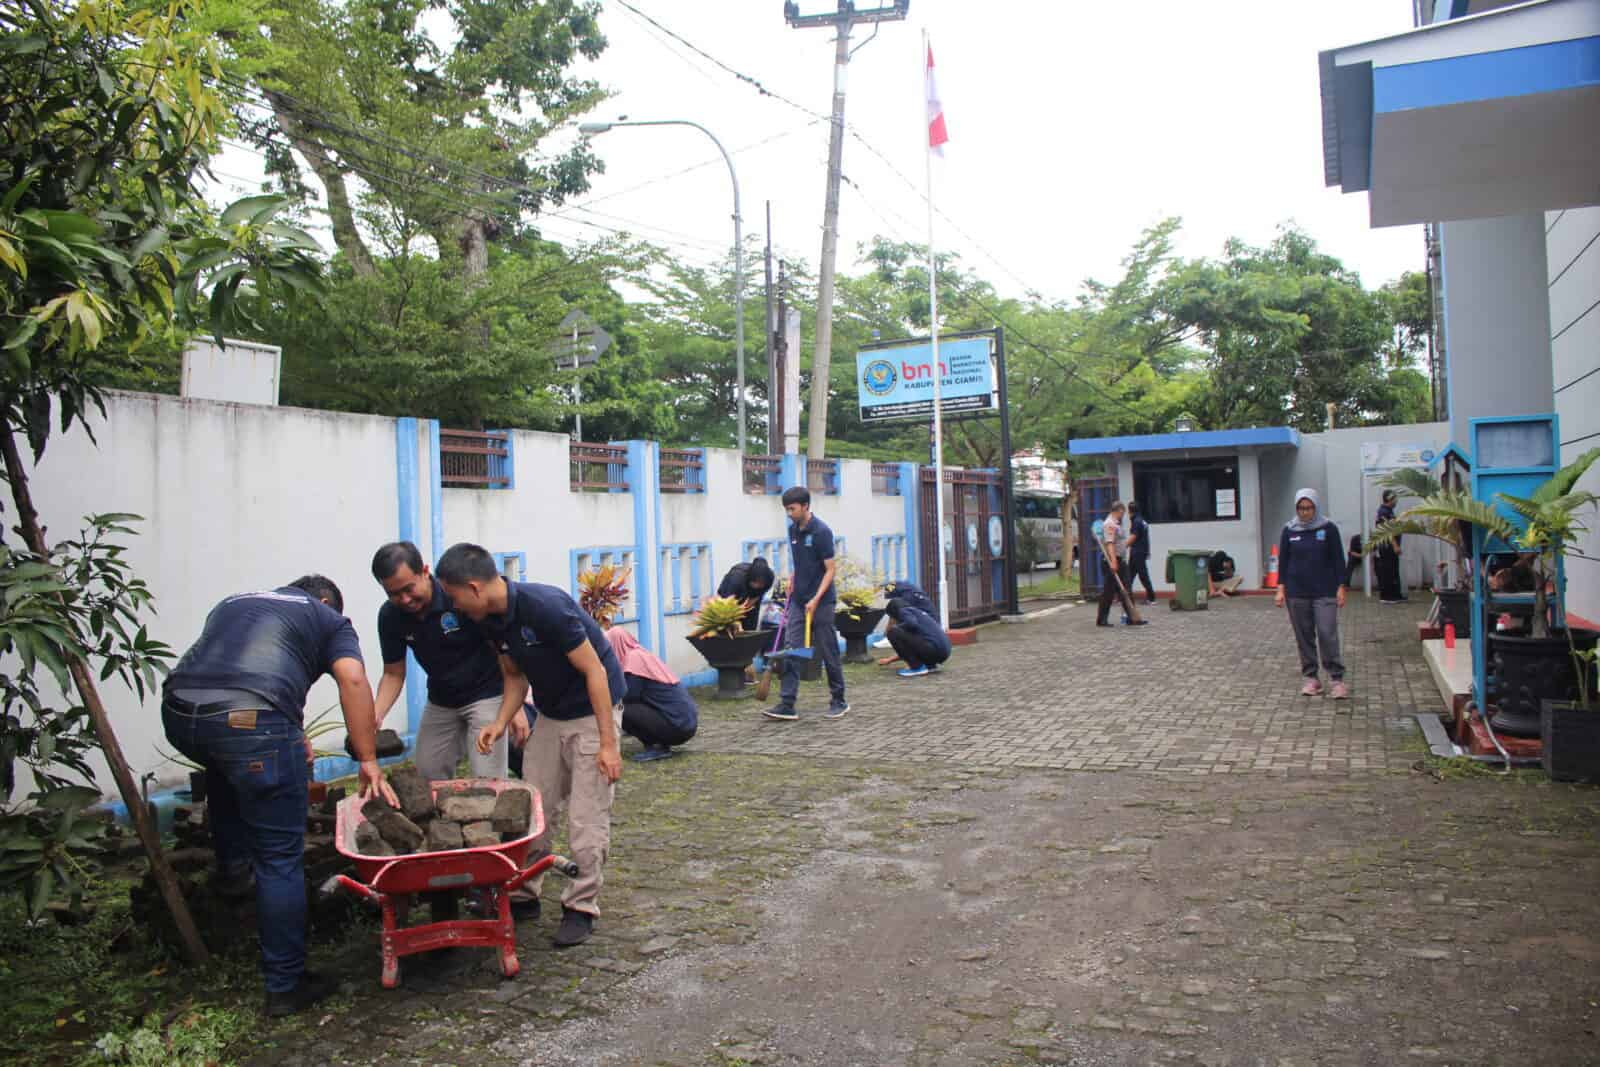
(975, 539)
(1094, 496)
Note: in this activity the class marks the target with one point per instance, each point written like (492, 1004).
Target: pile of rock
(466, 818)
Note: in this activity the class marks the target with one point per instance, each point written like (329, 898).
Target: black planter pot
(730, 656)
(855, 631)
(1523, 671)
(1571, 736)
(1456, 605)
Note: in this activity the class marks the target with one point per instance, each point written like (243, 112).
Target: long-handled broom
(807, 652)
(764, 686)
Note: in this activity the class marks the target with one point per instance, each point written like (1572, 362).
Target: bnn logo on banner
(895, 381)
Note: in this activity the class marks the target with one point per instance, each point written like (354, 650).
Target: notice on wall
(1227, 505)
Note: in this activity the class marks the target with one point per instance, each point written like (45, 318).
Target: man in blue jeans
(811, 593)
(235, 704)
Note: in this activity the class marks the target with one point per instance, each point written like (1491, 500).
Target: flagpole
(938, 375)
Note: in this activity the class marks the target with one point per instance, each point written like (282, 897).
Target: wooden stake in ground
(193, 947)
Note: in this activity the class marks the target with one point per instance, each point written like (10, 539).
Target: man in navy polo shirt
(235, 704)
(811, 593)
(574, 756)
(468, 686)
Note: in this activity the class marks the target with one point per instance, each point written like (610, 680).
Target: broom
(807, 652)
(764, 686)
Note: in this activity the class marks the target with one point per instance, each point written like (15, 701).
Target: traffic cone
(1271, 580)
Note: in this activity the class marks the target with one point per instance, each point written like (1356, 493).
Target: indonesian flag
(937, 134)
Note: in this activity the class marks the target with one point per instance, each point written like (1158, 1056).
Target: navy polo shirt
(542, 624)
(273, 644)
(461, 666)
(810, 547)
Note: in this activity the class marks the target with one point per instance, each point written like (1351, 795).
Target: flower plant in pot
(1455, 603)
(719, 635)
(1547, 663)
(859, 609)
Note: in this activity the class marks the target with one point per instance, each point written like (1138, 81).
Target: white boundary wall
(238, 497)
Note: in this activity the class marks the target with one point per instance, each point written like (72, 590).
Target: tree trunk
(340, 214)
(193, 947)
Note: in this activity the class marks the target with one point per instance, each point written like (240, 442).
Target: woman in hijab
(1386, 561)
(656, 708)
(1312, 577)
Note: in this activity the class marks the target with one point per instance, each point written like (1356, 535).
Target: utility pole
(774, 374)
(822, 351)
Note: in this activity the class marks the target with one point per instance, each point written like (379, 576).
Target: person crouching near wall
(656, 707)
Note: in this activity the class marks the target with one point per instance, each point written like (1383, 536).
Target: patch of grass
(1047, 584)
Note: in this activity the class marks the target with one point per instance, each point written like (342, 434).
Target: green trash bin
(1187, 571)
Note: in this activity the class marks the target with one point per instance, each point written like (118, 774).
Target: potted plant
(602, 591)
(1547, 663)
(856, 615)
(1569, 730)
(719, 635)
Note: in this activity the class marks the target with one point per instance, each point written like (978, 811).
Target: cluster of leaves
(720, 616)
(108, 253)
(83, 603)
(602, 591)
(1542, 523)
(106, 246)
(195, 1038)
(858, 589)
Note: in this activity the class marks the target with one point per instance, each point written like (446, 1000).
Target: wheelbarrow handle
(546, 862)
(351, 886)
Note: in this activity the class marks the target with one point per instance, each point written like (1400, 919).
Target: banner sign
(897, 382)
(1381, 457)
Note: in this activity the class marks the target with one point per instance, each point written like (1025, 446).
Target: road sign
(580, 343)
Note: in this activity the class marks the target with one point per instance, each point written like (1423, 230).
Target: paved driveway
(1194, 692)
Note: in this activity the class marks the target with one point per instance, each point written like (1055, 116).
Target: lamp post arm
(738, 251)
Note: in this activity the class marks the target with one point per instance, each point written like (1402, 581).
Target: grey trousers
(824, 639)
(1316, 623)
(447, 734)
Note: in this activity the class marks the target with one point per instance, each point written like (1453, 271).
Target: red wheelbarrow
(493, 870)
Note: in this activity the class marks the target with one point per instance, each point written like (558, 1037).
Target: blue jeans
(256, 778)
(824, 639)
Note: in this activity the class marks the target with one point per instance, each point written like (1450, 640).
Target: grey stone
(414, 792)
(400, 832)
(370, 843)
(467, 807)
(479, 834)
(444, 836)
(512, 812)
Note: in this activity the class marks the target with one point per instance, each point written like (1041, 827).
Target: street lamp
(589, 129)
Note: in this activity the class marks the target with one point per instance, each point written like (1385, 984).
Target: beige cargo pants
(447, 734)
(559, 762)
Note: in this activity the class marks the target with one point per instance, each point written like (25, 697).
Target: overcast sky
(1073, 127)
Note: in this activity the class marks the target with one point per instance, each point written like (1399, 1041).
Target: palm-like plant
(1550, 519)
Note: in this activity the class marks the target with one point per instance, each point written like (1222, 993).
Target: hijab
(1317, 522)
(636, 659)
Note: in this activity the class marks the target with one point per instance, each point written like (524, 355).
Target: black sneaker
(785, 712)
(311, 988)
(575, 928)
(837, 709)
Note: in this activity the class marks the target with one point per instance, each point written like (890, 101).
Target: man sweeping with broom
(1112, 547)
(808, 617)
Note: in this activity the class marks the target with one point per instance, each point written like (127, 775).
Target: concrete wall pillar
(1496, 319)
